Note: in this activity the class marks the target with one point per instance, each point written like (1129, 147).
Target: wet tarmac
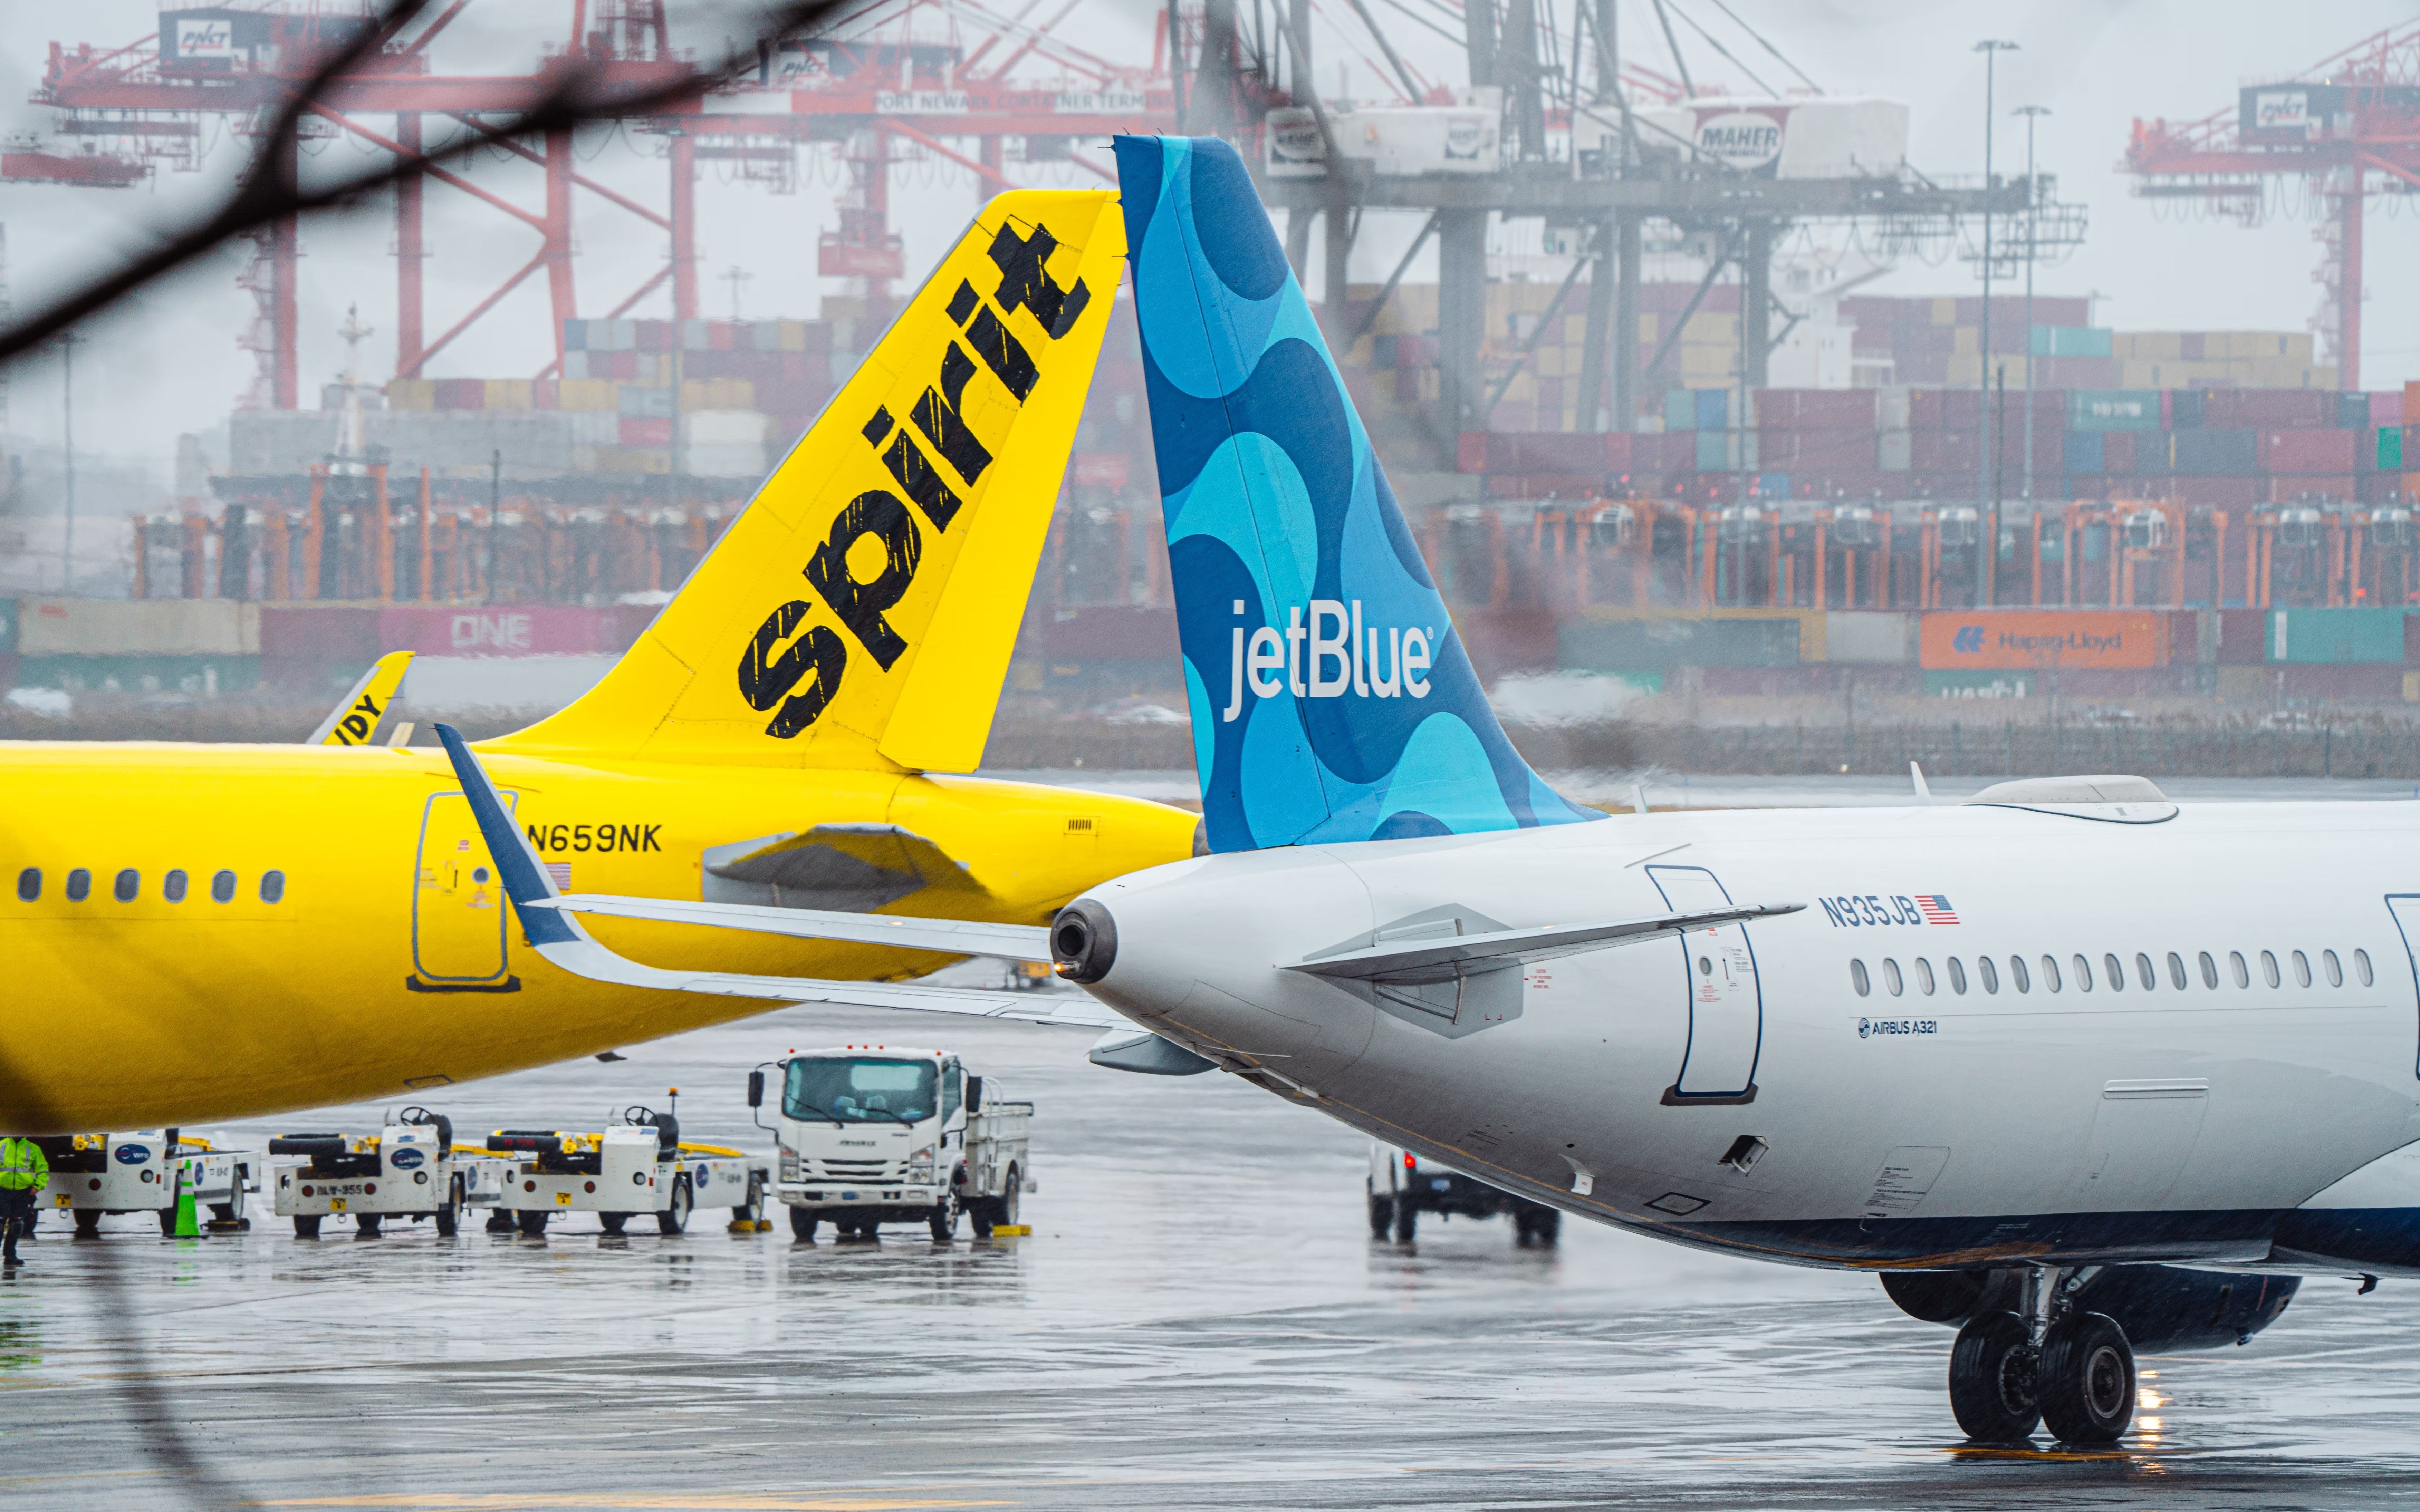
(1198, 1321)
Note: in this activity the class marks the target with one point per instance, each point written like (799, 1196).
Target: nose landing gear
(2050, 1362)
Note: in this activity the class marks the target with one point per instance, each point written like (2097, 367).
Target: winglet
(353, 722)
(526, 878)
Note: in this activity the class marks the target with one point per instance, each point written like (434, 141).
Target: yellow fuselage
(390, 967)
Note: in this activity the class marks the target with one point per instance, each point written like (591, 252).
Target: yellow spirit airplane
(193, 933)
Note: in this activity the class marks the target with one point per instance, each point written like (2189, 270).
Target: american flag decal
(1936, 908)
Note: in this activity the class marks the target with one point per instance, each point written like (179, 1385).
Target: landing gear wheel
(1992, 1376)
(675, 1219)
(1539, 1226)
(87, 1222)
(2086, 1379)
(533, 1222)
(802, 1224)
(449, 1217)
(943, 1222)
(612, 1222)
(1382, 1215)
(306, 1225)
(1407, 1221)
(365, 1225)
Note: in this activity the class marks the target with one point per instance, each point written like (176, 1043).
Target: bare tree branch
(577, 94)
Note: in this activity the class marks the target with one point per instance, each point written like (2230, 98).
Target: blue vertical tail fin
(1331, 698)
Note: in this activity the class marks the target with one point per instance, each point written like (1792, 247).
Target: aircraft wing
(1415, 963)
(1013, 942)
(354, 720)
(555, 934)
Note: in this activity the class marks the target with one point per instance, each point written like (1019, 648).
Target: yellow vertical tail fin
(860, 613)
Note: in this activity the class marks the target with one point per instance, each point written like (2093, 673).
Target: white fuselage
(1734, 1087)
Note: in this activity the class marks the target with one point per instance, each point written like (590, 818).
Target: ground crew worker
(23, 1170)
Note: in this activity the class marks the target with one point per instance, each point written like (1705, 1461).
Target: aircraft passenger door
(1726, 1004)
(458, 903)
(2405, 907)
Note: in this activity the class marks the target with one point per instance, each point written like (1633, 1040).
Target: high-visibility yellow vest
(23, 1165)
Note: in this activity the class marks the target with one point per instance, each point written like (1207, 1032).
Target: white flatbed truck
(407, 1169)
(871, 1135)
(93, 1176)
(636, 1167)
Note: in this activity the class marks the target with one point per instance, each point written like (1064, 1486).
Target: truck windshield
(862, 1091)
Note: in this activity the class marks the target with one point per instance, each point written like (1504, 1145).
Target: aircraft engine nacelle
(2160, 1306)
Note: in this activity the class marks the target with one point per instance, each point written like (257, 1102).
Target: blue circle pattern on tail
(1331, 698)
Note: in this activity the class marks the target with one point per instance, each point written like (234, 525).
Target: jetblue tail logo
(1307, 661)
(1331, 698)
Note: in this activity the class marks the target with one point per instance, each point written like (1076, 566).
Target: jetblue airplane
(2049, 1061)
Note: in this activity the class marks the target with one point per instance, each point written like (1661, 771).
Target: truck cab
(875, 1134)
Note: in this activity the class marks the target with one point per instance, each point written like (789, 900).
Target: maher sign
(2041, 639)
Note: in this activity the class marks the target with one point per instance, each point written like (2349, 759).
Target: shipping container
(156, 672)
(2113, 409)
(8, 627)
(2308, 451)
(518, 630)
(2081, 451)
(461, 393)
(1870, 638)
(633, 431)
(2328, 635)
(2217, 453)
(1895, 451)
(137, 627)
(1981, 685)
(2270, 409)
(2389, 449)
(2041, 639)
(642, 402)
(1815, 409)
(2070, 341)
(1653, 644)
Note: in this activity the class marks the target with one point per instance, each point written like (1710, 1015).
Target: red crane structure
(2348, 126)
(925, 72)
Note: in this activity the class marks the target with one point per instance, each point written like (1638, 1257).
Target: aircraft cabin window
(2269, 969)
(2361, 967)
(273, 886)
(2209, 972)
(2235, 964)
(2050, 973)
(2333, 968)
(172, 886)
(1891, 977)
(1958, 976)
(29, 884)
(2114, 970)
(223, 888)
(2302, 969)
(1924, 976)
(129, 883)
(79, 885)
(2150, 978)
(1858, 979)
(2084, 975)
(2017, 973)
(1990, 973)
(2177, 971)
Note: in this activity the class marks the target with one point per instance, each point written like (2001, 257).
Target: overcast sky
(169, 363)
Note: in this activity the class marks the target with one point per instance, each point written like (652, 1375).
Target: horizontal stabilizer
(1421, 962)
(555, 934)
(1012, 942)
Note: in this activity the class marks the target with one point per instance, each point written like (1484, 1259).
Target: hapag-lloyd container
(2041, 639)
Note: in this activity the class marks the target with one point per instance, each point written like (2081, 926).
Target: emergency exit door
(458, 903)
(1726, 1005)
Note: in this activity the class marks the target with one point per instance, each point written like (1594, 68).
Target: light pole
(2033, 203)
(68, 345)
(1987, 570)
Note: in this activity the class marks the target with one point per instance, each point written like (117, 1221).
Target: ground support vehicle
(875, 1134)
(1403, 1186)
(95, 1175)
(637, 1168)
(405, 1170)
